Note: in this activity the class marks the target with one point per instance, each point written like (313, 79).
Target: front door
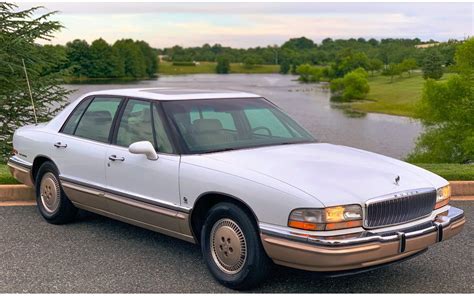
(132, 179)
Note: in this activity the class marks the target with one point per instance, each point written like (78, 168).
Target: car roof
(171, 94)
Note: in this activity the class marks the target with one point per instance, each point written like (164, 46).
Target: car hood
(333, 174)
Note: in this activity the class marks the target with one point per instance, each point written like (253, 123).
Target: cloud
(259, 24)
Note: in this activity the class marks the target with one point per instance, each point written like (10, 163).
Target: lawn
(398, 98)
(168, 68)
(5, 176)
(452, 172)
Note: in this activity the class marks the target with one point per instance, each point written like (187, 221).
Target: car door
(137, 186)
(80, 149)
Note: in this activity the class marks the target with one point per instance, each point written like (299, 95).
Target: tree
(392, 70)
(130, 52)
(446, 111)
(375, 65)
(79, 59)
(408, 65)
(223, 65)
(105, 62)
(284, 67)
(150, 57)
(19, 29)
(433, 65)
(251, 61)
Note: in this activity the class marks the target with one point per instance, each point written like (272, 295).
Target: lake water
(309, 104)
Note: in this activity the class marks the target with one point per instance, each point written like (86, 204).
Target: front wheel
(232, 249)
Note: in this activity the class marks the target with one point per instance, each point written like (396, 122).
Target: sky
(244, 25)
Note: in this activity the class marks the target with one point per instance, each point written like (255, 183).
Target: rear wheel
(53, 203)
(232, 248)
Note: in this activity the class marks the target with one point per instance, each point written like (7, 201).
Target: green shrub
(309, 73)
(223, 65)
(354, 86)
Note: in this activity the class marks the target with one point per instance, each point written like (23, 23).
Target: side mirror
(143, 147)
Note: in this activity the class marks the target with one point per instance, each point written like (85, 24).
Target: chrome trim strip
(125, 195)
(20, 162)
(398, 194)
(454, 214)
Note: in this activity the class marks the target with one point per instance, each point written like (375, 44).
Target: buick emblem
(397, 180)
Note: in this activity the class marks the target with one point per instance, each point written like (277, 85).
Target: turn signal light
(443, 195)
(331, 218)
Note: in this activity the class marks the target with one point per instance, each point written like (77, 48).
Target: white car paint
(272, 181)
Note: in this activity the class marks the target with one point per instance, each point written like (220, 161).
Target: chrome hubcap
(228, 246)
(50, 192)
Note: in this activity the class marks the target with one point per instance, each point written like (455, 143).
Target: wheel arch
(206, 201)
(37, 162)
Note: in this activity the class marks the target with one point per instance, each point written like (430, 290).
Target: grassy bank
(452, 172)
(167, 68)
(397, 98)
(5, 176)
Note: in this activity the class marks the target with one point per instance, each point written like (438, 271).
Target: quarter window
(97, 120)
(71, 123)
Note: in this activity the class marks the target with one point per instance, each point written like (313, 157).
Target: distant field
(397, 98)
(167, 68)
(449, 171)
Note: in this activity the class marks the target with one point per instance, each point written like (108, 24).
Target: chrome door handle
(60, 145)
(114, 158)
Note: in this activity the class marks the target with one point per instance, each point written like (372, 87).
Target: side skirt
(167, 221)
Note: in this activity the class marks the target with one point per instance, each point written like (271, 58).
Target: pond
(309, 104)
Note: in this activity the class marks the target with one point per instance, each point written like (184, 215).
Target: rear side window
(71, 123)
(96, 121)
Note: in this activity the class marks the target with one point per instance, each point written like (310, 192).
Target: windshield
(226, 124)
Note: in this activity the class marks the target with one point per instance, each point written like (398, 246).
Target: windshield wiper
(222, 150)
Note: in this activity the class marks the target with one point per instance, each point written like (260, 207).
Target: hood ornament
(397, 180)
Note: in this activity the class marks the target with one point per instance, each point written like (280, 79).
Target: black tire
(247, 273)
(53, 204)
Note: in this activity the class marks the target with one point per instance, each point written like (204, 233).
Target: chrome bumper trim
(19, 162)
(440, 222)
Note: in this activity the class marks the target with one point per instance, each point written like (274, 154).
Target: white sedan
(233, 173)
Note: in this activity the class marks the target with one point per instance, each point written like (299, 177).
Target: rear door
(81, 147)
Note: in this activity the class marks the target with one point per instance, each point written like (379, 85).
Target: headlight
(442, 196)
(326, 219)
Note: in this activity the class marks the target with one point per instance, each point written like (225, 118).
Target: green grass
(5, 176)
(397, 98)
(449, 171)
(168, 68)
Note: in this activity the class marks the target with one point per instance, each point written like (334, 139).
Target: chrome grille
(399, 208)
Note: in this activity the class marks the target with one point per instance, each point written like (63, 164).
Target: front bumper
(360, 251)
(21, 170)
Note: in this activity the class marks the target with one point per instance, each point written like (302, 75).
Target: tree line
(298, 51)
(126, 58)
